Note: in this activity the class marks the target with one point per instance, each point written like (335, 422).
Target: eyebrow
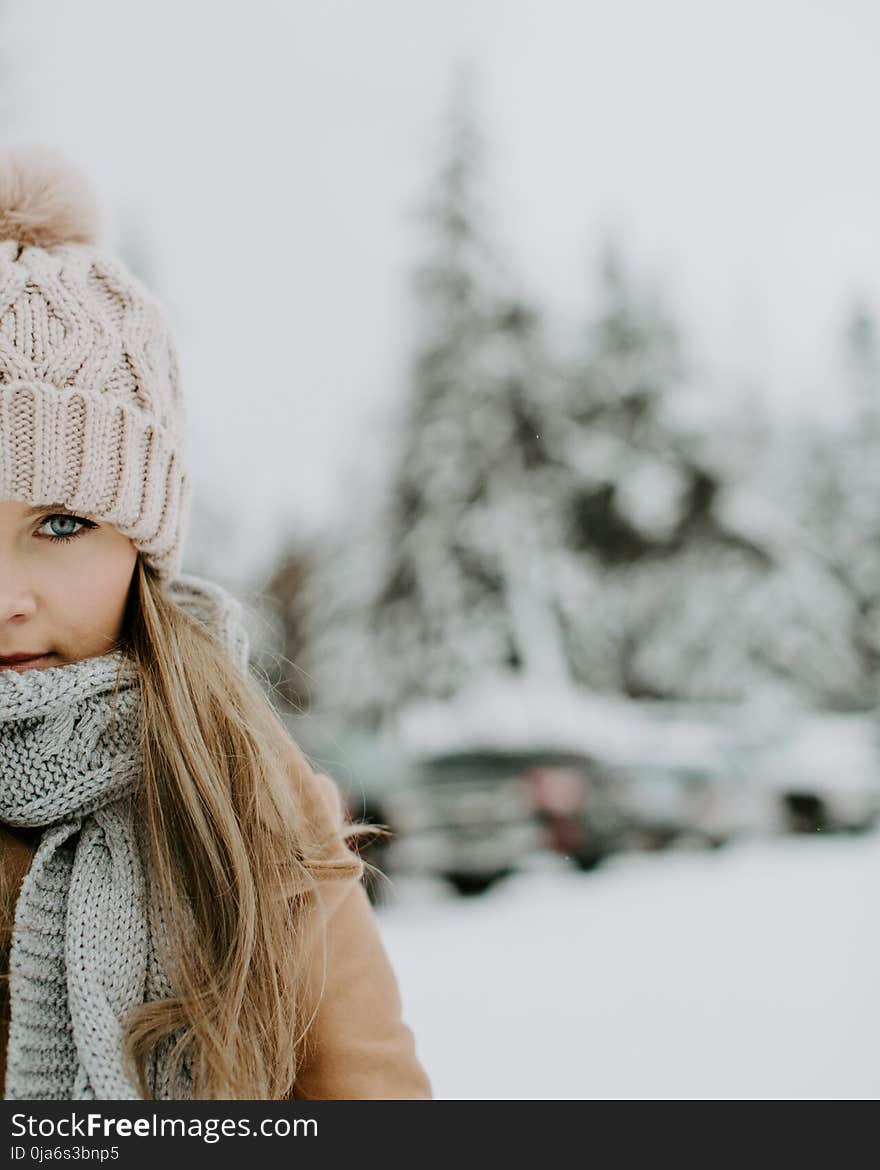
(46, 509)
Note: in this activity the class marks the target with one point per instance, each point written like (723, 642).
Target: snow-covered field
(753, 972)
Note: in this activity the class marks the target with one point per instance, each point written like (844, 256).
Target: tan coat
(359, 1047)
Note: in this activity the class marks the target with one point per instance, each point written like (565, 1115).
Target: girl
(182, 916)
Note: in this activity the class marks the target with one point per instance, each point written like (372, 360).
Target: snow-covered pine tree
(638, 493)
(474, 511)
(632, 475)
(684, 581)
(462, 571)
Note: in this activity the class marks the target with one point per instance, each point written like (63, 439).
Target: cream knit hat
(90, 406)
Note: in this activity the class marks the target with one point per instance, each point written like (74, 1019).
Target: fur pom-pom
(44, 200)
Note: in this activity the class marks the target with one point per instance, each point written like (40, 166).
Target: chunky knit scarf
(87, 935)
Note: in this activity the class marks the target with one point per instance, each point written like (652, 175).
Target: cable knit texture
(91, 412)
(87, 933)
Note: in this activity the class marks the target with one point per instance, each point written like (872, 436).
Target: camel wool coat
(358, 1047)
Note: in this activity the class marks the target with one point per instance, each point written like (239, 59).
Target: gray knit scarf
(87, 932)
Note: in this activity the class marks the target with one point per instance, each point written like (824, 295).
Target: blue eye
(65, 521)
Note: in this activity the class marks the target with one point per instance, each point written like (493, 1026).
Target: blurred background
(532, 365)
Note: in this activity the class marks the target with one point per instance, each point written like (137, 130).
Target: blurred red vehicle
(576, 803)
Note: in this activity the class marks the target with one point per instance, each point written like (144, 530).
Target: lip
(22, 662)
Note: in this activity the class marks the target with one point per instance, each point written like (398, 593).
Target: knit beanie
(91, 415)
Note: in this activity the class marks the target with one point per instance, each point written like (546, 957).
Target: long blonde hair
(230, 836)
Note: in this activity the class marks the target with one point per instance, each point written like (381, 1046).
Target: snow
(836, 750)
(508, 709)
(748, 973)
(519, 712)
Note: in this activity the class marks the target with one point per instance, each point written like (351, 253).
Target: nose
(17, 600)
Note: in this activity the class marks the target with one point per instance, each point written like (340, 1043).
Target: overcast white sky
(272, 151)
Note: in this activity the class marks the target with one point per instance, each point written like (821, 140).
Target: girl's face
(64, 581)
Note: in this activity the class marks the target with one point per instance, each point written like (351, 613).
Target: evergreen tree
(475, 495)
(471, 527)
(684, 582)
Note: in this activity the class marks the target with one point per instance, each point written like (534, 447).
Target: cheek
(92, 591)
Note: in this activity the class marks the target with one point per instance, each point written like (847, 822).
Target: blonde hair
(228, 815)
